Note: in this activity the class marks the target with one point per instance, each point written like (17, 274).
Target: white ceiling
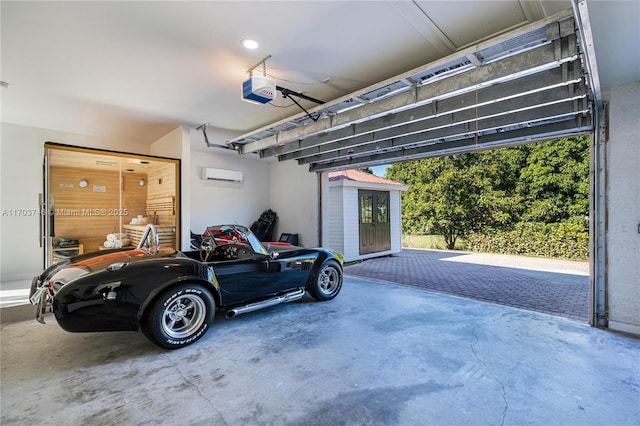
(136, 70)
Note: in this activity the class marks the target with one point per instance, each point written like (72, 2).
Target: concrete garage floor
(378, 354)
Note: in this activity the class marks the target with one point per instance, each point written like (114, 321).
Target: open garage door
(528, 85)
(536, 83)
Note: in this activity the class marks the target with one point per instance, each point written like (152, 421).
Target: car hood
(80, 266)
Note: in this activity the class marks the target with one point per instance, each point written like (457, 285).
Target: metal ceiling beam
(539, 133)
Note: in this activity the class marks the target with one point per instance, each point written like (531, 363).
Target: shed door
(375, 230)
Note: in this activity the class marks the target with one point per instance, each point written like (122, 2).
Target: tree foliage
(452, 196)
(495, 190)
(554, 181)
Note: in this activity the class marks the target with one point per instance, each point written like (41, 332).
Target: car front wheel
(327, 283)
(180, 316)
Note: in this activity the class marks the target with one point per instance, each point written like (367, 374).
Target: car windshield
(227, 234)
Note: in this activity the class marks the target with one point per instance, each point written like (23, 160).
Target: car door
(262, 275)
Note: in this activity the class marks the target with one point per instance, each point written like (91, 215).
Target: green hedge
(569, 240)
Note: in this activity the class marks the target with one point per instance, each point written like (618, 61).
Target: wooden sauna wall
(88, 215)
(162, 183)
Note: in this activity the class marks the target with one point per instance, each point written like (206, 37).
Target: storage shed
(364, 216)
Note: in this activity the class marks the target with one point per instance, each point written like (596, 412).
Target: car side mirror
(273, 254)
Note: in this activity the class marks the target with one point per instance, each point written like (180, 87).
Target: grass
(428, 242)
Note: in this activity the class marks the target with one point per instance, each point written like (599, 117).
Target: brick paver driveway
(550, 286)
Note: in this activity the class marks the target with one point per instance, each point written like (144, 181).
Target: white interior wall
(623, 208)
(177, 144)
(170, 145)
(214, 202)
(294, 196)
(21, 180)
(185, 187)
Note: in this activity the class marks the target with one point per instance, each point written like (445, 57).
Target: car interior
(221, 253)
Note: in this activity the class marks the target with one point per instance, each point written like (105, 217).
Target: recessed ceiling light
(250, 44)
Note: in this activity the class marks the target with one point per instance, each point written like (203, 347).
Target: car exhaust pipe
(285, 298)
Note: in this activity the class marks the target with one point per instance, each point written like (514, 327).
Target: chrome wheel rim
(328, 280)
(183, 316)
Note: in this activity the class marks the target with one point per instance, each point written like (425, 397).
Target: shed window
(366, 208)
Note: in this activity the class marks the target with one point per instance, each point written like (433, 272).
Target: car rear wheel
(327, 283)
(180, 316)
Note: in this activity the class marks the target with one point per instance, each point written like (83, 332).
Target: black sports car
(172, 295)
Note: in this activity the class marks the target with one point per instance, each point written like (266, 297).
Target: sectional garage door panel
(525, 86)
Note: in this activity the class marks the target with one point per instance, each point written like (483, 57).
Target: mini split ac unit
(220, 174)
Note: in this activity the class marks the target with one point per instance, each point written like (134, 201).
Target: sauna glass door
(102, 200)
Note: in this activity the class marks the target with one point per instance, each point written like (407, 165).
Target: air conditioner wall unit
(222, 175)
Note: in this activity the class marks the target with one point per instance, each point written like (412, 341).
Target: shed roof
(360, 176)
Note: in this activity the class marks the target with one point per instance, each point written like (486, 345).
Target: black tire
(326, 284)
(180, 316)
